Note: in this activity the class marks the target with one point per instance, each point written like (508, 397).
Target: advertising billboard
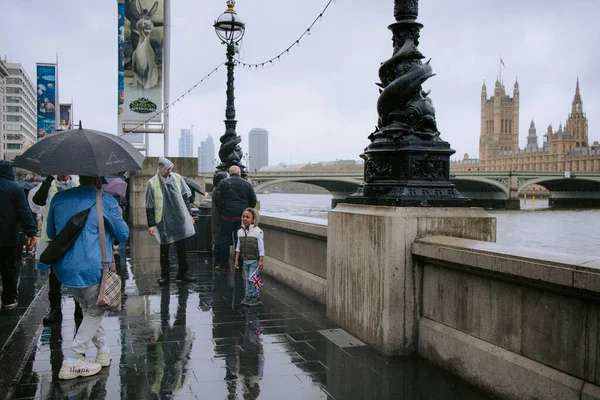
(65, 117)
(143, 60)
(46, 99)
(121, 46)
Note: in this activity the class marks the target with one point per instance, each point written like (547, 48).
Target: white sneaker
(103, 357)
(81, 368)
(11, 306)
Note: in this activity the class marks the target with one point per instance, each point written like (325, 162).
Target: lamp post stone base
(409, 173)
(373, 287)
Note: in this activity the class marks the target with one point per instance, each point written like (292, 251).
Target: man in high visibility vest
(169, 217)
(41, 197)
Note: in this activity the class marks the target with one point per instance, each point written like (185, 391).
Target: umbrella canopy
(116, 186)
(81, 152)
(193, 185)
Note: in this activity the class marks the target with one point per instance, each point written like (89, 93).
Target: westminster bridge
(500, 189)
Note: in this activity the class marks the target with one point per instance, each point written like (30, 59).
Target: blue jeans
(251, 290)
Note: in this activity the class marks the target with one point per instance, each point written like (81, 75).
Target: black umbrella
(81, 152)
(193, 185)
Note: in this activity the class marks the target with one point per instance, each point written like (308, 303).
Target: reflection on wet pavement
(189, 341)
(30, 282)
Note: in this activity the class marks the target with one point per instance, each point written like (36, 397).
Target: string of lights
(306, 32)
(295, 43)
(175, 101)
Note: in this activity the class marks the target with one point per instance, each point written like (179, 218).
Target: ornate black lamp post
(230, 29)
(406, 163)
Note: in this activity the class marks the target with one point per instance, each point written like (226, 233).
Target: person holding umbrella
(41, 197)
(169, 217)
(80, 270)
(91, 155)
(13, 211)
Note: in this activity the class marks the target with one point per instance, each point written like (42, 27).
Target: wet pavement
(30, 282)
(194, 341)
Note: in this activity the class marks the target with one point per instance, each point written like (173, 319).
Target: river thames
(565, 231)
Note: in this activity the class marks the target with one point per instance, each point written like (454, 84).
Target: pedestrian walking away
(39, 200)
(80, 269)
(251, 248)
(14, 215)
(215, 221)
(170, 220)
(231, 197)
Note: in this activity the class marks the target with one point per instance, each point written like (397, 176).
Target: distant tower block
(206, 155)
(186, 143)
(258, 144)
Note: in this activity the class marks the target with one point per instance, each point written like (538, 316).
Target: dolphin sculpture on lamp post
(406, 163)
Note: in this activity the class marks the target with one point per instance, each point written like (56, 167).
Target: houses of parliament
(566, 149)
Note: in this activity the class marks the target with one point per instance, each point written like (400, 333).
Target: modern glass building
(206, 155)
(258, 139)
(186, 143)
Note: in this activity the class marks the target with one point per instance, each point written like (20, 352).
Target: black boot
(54, 315)
(182, 273)
(186, 277)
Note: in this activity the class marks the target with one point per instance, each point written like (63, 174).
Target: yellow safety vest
(158, 195)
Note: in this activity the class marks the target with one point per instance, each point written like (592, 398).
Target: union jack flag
(256, 281)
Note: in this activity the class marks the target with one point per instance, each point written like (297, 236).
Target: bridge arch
(561, 184)
(475, 187)
(333, 185)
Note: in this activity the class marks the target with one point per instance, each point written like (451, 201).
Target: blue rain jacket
(82, 265)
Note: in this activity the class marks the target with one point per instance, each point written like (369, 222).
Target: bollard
(533, 203)
(525, 198)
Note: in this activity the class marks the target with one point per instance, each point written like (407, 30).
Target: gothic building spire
(532, 139)
(577, 107)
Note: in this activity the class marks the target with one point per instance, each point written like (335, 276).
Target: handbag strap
(102, 233)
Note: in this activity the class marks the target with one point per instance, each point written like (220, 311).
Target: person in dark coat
(232, 197)
(215, 221)
(14, 213)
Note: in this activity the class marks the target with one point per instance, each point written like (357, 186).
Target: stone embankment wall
(296, 254)
(519, 323)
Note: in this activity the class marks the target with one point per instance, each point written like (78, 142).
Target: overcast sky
(319, 103)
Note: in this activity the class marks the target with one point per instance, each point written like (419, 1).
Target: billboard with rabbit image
(143, 60)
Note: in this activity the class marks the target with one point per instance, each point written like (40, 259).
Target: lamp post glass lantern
(230, 29)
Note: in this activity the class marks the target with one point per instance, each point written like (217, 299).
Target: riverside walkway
(194, 341)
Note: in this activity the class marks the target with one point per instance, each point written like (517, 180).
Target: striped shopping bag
(109, 297)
